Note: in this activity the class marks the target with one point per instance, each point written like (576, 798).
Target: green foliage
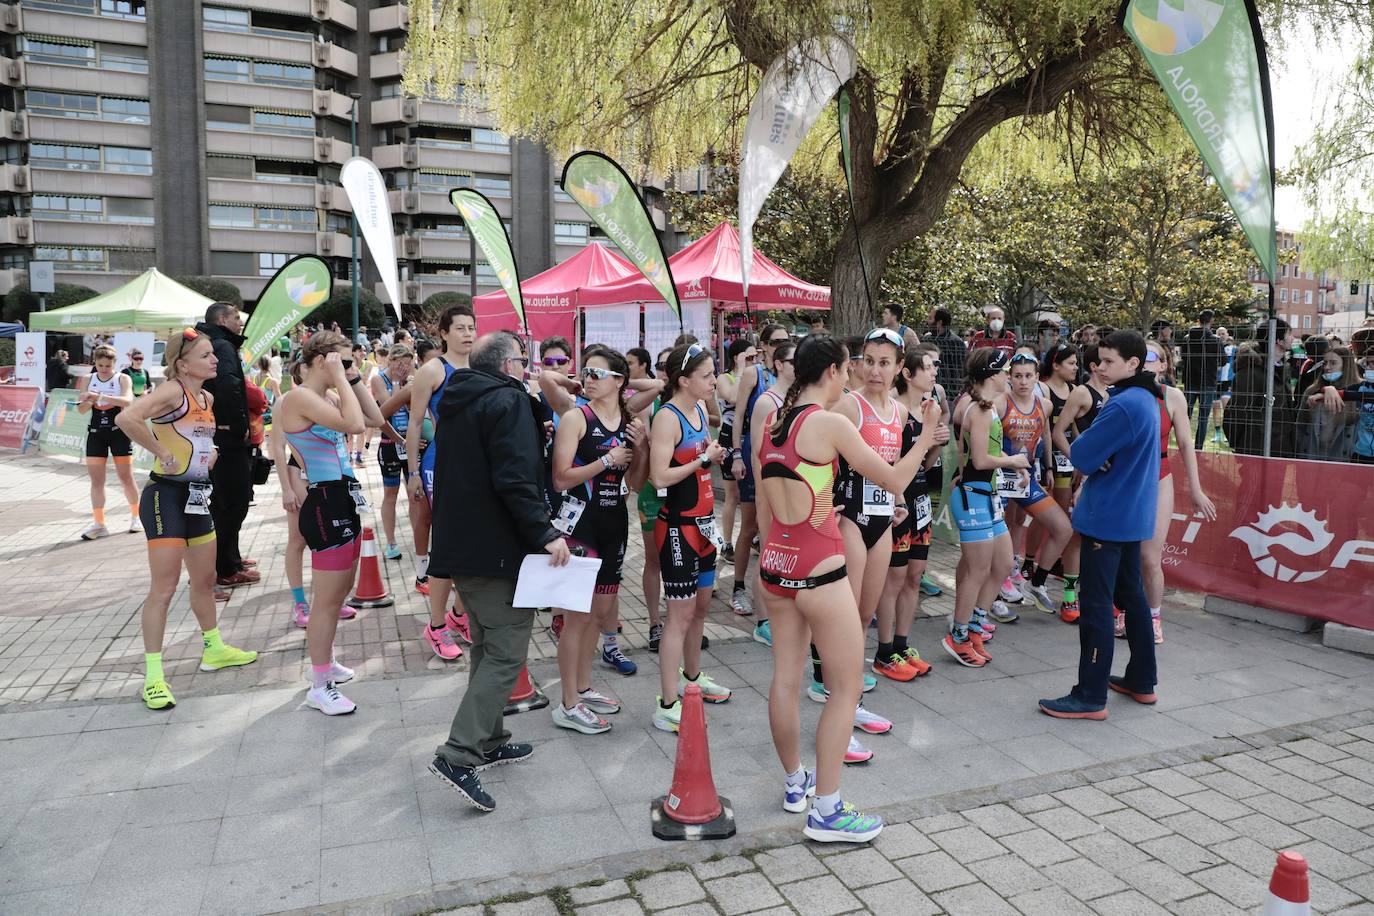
(339, 307)
(437, 302)
(20, 302)
(7, 351)
(213, 288)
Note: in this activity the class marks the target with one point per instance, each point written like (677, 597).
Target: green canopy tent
(152, 301)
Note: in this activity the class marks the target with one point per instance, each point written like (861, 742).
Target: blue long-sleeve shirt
(1119, 454)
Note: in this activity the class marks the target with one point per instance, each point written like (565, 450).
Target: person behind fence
(1202, 354)
(1114, 513)
(1362, 395)
(1327, 433)
(489, 465)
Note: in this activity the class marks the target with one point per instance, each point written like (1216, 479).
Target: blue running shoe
(794, 797)
(846, 825)
(930, 589)
(612, 657)
(393, 552)
(764, 633)
(869, 682)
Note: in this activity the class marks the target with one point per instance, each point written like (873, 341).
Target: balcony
(331, 197)
(338, 12)
(95, 28)
(327, 149)
(14, 178)
(395, 18)
(46, 129)
(91, 234)
(333, 245)
(395, 111)
(12, 72)
(14, 125)
(91, 184)
(422, 200)
(438, 112)
(255, 95)
(388, 64)
(264, 193)
(16, 230)
(268, 47)
(331, 104)
(85, 79)
(287, 241)
(333, 57)
(262, 145)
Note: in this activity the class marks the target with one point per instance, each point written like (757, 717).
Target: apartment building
(1300, 292)
(207, 137)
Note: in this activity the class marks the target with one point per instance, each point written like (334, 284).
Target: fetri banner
(16, 408)
(1294, 536)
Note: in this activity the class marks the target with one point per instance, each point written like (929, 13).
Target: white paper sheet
(569, 587)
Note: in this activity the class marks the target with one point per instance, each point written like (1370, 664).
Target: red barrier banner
(16, 409)
(1291, 535)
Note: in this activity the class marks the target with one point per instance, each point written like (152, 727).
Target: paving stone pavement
(238, 801)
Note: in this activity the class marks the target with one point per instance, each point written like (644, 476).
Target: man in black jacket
(232, 473)
(1201, 357)
(488, 514)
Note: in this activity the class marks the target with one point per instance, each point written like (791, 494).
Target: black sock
(1027, 565)
(1039, 576)
(899, 644)
(739, 586)
(884, 651)
(816, 665)
(663, 705)
(1058, 568)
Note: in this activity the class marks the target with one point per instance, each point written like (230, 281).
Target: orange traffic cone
(370, 592)
(692, 810)
(526, 695)
(1288, 894)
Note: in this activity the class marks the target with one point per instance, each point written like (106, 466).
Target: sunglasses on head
(189, 334)
(1152, 357)
(692, 353)
(885, 334)
(557, 360)
(599, 374)
(1024, 358)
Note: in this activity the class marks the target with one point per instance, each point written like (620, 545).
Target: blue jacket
(1119, 454)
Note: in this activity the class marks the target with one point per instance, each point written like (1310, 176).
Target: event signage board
(17, 405)
(64, 429)
(367, 194)
(490, 234)
(296, 290)
(31, 359)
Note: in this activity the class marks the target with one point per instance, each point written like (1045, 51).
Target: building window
(128, 111)
(124, 9)
(390, 90)
(282, 122)
(228, 68)
(1306, 321)
(53, 206)
(1283, 294)
(1283, 270)
(286, 218)
(1307, 297)
(63, 104)
(129, 160)
(271, 71)
(220, 19)
(130, 210)
(62, 156)
(72, 258)
(270, 262)
(227, 117)
(231, 216)
(440, 181)
(128, 58)
(286, 172)
(486, 139)
(571, 233)
(45, 50)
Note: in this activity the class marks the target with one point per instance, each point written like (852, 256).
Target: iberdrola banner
(1209, 57)
(794, 92)
(490, 234)
(372, 209)
(605, 192)
(295, 291)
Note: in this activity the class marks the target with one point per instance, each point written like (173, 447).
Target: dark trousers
(1203, 400)
(232, 478)
(1107, 570)
(500, 644)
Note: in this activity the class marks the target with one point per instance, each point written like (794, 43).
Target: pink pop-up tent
(552, 297)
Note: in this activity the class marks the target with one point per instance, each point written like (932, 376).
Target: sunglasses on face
(786, 359)
(136, 359)
(553, 361)
(1152, 357)
(661, 367)
(596, 372)
(750, 360)
(778, 341)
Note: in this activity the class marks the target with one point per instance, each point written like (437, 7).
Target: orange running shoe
(963, 652)
(978, 643)
(916, 663)
(1068, 611)
(894, 668)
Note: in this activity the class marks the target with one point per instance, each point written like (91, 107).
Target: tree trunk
(854, 309)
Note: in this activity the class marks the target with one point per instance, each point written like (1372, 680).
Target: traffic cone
(692, 810)
(526, 695)
(1288, 894)
(370, 592)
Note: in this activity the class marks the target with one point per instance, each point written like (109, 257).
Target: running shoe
(579, 719)
(598, 702)
(393, 552)
(1145, 697)
(242, 577)
(794, 797)
(329, 701)
(741, 603)
(441, 641)
(1068, 611)
(338, 673)
(705, 642)
(556, 626)
(727, 553)
(870, 722)
(612, 657)
(221, 594)
(226, 656)
(894, 667)
(158, 695)
(1009, 592)
(755, 542)
(915, 662)
(1118, 623)
(963, 652)
(458, 625)
(929, 588)
(985, 626)
(422, 584)
(1159, 631)
(300, 614)
(869, 683)
(510, 752)
(763, 633)
(1040, 594)
(856, 752)
(347, 612)
(655, 634)
(977, 627)
(135, 526)
(817, 692)
(979, 645)
(1071, 707)
(711, 692)
(846, 825)
(464, 781)
(95, 530)
(1001, 613)
(667, 720)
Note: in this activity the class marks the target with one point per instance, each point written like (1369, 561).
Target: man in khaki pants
(489, 513)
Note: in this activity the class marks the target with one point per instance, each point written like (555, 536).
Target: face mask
(1369, 375)
(1332, 376)
(995, 325)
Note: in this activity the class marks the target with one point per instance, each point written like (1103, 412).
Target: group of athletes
(831, 453)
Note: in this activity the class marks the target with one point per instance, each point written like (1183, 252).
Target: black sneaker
(655, 634)
(465, 782)
(510, 752)
(705, 641)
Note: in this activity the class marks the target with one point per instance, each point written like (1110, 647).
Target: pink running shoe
(347, 612)
(441, 641)
(458, 625)
(857, 753)
(300, 614)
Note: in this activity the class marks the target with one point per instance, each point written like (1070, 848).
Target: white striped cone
(370, 591)
(1288, 892)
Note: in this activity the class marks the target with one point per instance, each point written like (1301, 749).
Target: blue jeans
(1203, 399)
(1107, 570)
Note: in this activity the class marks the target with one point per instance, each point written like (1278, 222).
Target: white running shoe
(135, 526)
(870, 722)
(856, 752)
(1001, 613)
(1009, 592)
(95, 530)
(741, 603)
(1040, 594)
(329, 701)
(580, 719)
(338, 674)
(598, 702)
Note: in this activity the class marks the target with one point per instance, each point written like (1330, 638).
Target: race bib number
(708, 529)
(569, 513)
(1062, 464)
(624, 490)
(355, 490)
(922, 512)
(401, 450)
(998, 513)
(1009, 485)
(198, 499)
(877, 501)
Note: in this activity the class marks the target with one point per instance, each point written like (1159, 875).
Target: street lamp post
(353, 216)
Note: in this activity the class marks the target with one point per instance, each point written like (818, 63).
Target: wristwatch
(705, 460)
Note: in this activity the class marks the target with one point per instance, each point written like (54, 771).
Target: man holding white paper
(489, 468)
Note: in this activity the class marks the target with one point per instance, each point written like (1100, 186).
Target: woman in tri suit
(107, 393)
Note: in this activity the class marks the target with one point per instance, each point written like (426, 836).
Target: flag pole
(842, 113)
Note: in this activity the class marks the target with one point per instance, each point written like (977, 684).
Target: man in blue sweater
(1115, 512)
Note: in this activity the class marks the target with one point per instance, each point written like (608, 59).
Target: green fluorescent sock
(153, 663)
(212, 639)
(1070, 587)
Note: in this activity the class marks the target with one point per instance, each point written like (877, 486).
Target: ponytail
(788, 402)
(813, 356)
